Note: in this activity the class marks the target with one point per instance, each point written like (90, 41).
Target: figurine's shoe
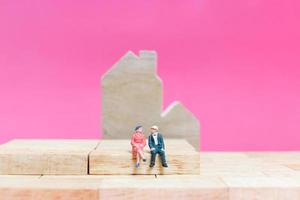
(165, 165)
(137, 165)
(151, 165)
(144, 160)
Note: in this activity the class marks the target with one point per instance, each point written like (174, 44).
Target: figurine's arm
(150, 144)
(163, 143)
(144, 141)
(132, 141)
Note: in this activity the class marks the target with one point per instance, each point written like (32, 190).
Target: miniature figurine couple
(155, 143)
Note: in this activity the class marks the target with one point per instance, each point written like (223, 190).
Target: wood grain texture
(112, 187)
(113, 157)
(163, 187)
(262, 188)
(46, 156)
(37, 188)
(224, 176)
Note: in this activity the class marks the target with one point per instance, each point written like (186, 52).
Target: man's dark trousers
(161, 155)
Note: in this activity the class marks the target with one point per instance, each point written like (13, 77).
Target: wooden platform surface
(113, 157)
(223, 176)
(82, 157)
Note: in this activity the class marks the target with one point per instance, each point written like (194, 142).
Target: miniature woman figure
(138, 142)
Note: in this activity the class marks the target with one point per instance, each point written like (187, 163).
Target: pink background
(235, 64)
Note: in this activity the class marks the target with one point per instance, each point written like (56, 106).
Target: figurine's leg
(141, 154)
(137, 158)
(162, 158)
(137, 164)
(153, 156)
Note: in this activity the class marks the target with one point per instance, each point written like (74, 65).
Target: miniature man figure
(157, 146)
(138, 142)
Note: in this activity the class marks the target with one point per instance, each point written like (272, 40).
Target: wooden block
(238, 178)
(36, 188)
(46, 156)
(283, 157)
(114, 157)
(294, 166)
(112, 187)
(249, 164)
(262, 188)
(163, 187)
(278, 164)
